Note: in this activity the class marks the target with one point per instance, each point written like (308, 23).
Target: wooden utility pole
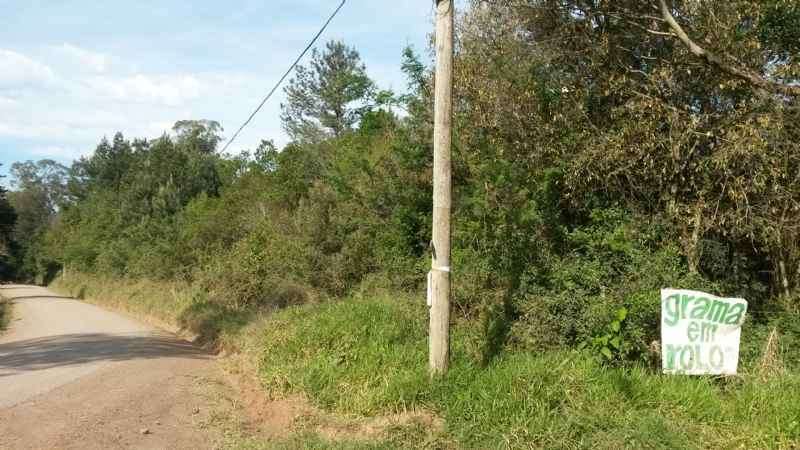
(439, 278)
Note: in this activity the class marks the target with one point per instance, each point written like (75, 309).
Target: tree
(775, 30)
(8, 218)
(327, 98)
(202, 136)
(700, 132)
(41, 192)
(266, 156)
(46, 177)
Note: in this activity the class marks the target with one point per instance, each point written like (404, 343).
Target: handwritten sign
(700, 333)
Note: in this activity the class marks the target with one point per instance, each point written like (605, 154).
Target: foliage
(366, 356)
(8, 218)
(611, 341)
(41, 192)
(326, 99)
(613, 262)
(596, 160)
(46, 177)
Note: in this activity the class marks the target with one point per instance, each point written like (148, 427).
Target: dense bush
(267, 267)
(614, 262)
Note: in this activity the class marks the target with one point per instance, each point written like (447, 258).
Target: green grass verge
(368, 356)
(314, 441)
(5, 313)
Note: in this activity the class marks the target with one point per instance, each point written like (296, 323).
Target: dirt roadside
(75, 376)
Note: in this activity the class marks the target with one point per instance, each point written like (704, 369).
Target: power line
(275, 88)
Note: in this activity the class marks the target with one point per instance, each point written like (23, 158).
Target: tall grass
(5, 313)
(176, 306)
(367, 356)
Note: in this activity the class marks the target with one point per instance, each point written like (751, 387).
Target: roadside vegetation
(366, 356)
(8, 219)
(596, 161)
(5, 313)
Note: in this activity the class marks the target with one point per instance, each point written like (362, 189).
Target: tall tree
(199, 135)
(8, 218)
(41, 191)
(329, 97)
(47, 177)
(683, 111)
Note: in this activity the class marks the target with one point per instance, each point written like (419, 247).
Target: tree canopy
(8, 218)
(327, 97)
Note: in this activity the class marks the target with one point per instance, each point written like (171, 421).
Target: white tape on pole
(429, 298)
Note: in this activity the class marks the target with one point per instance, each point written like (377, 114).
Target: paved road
(73, 375)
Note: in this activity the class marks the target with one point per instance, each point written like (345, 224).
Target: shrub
(614, 262)
(265, 269)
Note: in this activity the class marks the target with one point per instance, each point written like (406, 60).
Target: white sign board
(700, 332)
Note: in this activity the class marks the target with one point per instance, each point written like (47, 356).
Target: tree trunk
(784, 279)
(693, 247)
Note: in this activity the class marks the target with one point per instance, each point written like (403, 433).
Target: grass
(314, 441)
(5, 313)
(176, 306)
(366, 356)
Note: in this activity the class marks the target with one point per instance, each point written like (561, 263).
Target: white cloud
(33, 131)
(58, 153)
(170, 90)
(159, 128)
(94, 61)
(17, 70)
(85, 130)
(7, 102)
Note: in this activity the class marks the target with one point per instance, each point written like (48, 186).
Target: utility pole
(439, 277)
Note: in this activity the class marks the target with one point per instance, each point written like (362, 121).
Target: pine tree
(327, 98)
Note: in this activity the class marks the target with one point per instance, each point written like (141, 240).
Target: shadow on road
(72, 349)
(27, 295)
(23, 297)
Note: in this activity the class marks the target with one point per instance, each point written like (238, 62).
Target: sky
(72, 72)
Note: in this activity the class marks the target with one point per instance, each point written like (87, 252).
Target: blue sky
(72, 72)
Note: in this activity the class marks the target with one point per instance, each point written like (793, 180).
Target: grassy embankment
(5, 313)
(366, 356)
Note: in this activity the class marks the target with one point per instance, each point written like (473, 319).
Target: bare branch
(660, 33)
(746, 74)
